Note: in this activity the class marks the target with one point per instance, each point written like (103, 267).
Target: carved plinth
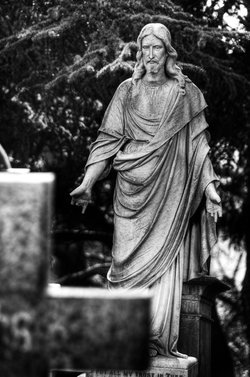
(196, 320)
(166, 367)
(160, 366)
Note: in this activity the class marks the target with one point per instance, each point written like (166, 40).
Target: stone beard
(154, 135)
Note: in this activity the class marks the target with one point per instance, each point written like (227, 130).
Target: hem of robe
(166, 294)
(166, 307)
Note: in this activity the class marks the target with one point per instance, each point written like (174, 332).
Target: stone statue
(165, 201)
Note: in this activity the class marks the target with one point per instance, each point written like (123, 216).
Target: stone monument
(51, 327)
(154, 134)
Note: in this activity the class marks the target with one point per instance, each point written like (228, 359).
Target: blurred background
(60, 64)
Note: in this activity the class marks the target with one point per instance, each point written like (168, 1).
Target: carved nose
(151, 52)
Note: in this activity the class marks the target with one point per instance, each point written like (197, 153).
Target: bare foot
(181, 355)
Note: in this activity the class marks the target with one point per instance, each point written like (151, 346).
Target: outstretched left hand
(213, 201)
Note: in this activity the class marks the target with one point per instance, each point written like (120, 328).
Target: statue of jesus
(165, 200)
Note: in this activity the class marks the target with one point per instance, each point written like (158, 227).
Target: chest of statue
(150, 100)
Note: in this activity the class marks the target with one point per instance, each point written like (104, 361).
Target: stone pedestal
(160, 366)
(165, 367)
(196, 320)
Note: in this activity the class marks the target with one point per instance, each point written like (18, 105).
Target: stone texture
(97, 329)
(22, 340)
(160, 366)
(174, 367)
(70, 327)
(196, 320)
(25, 214)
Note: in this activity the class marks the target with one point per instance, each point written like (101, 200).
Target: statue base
(160, 366)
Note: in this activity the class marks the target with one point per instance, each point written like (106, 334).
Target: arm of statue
(209, 180)
(213, 201)
(82, 195)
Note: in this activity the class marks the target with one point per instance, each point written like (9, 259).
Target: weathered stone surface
(160, 366)
(196, 320)
(165, 367)
(68, 327)
(22, 339)
(25, 213)
(97, 329)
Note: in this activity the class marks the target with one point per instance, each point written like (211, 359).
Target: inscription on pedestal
(118, 373)
(159, 367)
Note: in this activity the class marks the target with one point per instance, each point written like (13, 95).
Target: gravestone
(78, 329)
(97, 328)
(25, 216)
(194, 339)
(41, 327)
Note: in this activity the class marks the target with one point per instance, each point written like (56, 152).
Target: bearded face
(153, 54)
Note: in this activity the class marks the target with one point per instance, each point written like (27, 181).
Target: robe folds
(162, 171)
(162, 232)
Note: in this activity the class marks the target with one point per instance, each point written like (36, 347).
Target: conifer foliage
(61, 61)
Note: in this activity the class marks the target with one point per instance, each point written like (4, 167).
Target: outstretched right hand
(81, 196)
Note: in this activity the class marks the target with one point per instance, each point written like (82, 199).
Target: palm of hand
(213, 205)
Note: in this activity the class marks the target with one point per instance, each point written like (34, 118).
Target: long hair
(161, 32)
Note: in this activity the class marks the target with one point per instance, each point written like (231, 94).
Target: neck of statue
(155, 78)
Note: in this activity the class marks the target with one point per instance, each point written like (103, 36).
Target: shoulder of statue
(194, 98)
(124, 87)
(192, 89)
(187, 79)
(191, 85)
(121, 92)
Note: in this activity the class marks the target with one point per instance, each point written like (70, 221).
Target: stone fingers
(216, 214)
(81, 203)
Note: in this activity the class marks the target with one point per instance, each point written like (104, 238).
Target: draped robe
(162, 233)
